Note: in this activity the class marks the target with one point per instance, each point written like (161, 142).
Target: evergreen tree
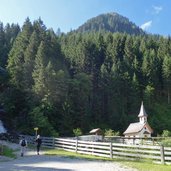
(16, 56)
(167, 75)
(2, 42)
(39, 72)
(29, 63)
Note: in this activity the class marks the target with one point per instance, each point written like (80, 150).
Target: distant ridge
(110, 22)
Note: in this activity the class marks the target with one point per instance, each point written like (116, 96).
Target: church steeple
(142, 115)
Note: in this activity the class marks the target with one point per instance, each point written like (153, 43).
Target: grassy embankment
(139, 165)
(8, 152)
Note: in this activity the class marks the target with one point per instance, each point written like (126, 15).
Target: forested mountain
(7, 37)
(110, 22)
(82, 80)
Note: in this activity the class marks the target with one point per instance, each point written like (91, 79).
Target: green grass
(139, 165)
(145, 166)
(8, 152)
(64, 153)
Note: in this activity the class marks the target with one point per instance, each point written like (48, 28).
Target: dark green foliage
(166, 133)
(7, 37)
(126, 71)
(83, 80)
(160, 118)
(38, 119)
(77, 132)
(16, 58)
(167, 75)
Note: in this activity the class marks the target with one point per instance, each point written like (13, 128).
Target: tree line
(82, 80)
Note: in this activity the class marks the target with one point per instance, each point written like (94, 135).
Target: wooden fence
(135, 140)
(158, 154)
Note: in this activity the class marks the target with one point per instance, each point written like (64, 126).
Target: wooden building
(96, 131)
(139, 129)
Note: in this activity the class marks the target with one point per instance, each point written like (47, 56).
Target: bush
(110, 132)
(166, 133)
(166, 142)
(77, 132)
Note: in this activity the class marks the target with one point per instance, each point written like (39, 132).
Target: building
(96, 131)
(97, 134)
(139, 129)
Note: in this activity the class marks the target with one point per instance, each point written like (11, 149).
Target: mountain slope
(111, 22)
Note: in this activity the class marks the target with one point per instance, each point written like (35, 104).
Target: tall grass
(8, 152)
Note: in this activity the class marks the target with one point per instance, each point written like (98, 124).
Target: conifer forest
(82, 79)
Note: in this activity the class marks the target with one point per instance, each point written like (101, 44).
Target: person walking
(23, 144)
(39, 142)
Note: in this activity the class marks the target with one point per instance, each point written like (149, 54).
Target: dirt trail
(42, 162)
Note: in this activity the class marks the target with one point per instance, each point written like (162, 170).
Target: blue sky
(151, 15)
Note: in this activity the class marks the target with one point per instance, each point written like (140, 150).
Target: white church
(139, 129)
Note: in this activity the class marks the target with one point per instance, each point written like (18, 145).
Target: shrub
(77, 132)
(166, 142)
(166, 133)
(110, 132)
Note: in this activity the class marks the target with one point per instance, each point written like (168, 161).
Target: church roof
(134, 128)
(137, 127)
(142, 111)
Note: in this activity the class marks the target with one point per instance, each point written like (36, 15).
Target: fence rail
(135, 140)
(157, 154)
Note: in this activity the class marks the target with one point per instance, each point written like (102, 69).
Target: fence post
(133, 141)
(162, 154)
(123, 140)
(76, 145)
(111, 150)
(53, 142)
(153, 141)
(142, 140)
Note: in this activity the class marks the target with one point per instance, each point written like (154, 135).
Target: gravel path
(31, 161)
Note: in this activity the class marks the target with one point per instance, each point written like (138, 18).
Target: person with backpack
(39, 142)
(23, 144)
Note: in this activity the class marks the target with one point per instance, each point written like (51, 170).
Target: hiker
(23, 144)
(39, 142)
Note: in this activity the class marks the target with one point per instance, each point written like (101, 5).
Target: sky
(153, 16)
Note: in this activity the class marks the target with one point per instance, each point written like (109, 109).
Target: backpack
(39, 141)
(23, 143)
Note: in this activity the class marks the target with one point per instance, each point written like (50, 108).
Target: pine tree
(167, 75)
(29, 56)
(16, 56)
(39, 70)
(2, 43)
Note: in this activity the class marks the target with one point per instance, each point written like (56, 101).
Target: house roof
(137, 127)
(95, 130)
(142, 111)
